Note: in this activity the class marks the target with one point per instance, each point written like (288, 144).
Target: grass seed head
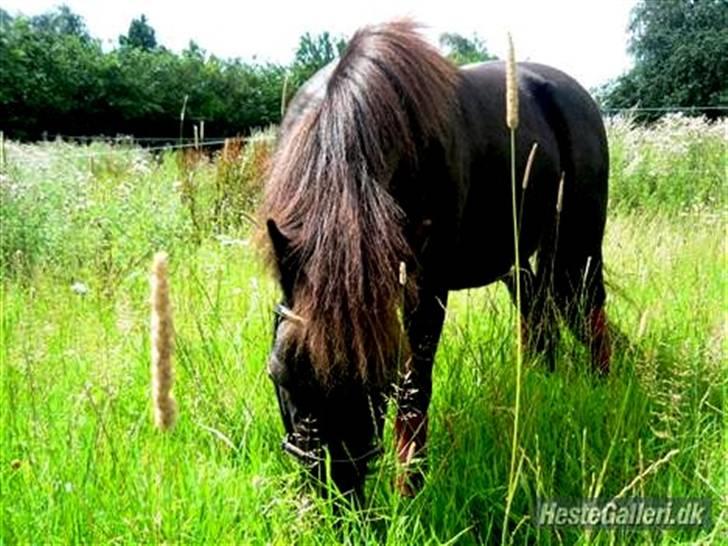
(511, 87)
(162, 330)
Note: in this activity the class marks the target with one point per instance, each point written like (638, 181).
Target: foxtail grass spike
(511, 87)
(162, 332)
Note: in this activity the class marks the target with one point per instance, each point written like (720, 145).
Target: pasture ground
(81, 462)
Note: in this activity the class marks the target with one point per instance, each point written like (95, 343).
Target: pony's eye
(277, 370)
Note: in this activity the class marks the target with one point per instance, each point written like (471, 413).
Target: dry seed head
(511, 87)
(402, 273)
(586, 270)
(162, 332)
(560, 197)
(410, 453)
(529, 164)
(642, 328)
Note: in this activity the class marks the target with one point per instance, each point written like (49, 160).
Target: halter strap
(288, 314)
(312, 456)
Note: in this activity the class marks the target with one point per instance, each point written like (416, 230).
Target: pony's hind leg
(526, 279)
(424, 325)
(579, 287)
(539, 328)
(572, 255)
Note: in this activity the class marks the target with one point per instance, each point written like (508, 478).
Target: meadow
(80, 459)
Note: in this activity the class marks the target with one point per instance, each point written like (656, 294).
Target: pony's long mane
(329, 193)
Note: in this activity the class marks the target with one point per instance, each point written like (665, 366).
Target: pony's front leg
(424, 325)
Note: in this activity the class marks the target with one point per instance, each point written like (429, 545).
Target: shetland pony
(391, 187)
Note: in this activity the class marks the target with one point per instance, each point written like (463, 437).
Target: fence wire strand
(128, 143)
(120, 146)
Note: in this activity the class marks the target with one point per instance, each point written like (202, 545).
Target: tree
(61, 21)
(5, 18)
(315, 52)
(680, 49)
(462, 50)
(49, 75)
(141, 35)
(194, 51)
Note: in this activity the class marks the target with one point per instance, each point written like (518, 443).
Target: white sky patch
(586, 38)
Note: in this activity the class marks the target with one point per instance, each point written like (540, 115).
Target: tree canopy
(55, 78)
(140, 35)
(463, 50)
(680, 50)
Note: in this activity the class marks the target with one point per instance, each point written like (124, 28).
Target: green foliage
(680, 49)
(61, 21)
(48, 78)
(140, 35)
(462, 50)
(54, 79)
(313, 53)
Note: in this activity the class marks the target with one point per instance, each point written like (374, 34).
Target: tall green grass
(81, 461)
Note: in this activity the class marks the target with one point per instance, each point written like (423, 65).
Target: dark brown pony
(392, 160)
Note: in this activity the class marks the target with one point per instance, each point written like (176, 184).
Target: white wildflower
(79, 288)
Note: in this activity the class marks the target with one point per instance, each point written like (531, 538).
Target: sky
(586, 38)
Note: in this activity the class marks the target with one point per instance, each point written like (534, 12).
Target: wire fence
(665, 109)
(121, 138)
(133, 144)
(127, 145)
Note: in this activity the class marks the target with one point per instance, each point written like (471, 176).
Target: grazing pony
(390, 187)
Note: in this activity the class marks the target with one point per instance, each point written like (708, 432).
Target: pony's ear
(278, 240)
(282, 252)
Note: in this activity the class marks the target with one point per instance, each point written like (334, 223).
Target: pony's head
(337, 238)
(332, 415)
